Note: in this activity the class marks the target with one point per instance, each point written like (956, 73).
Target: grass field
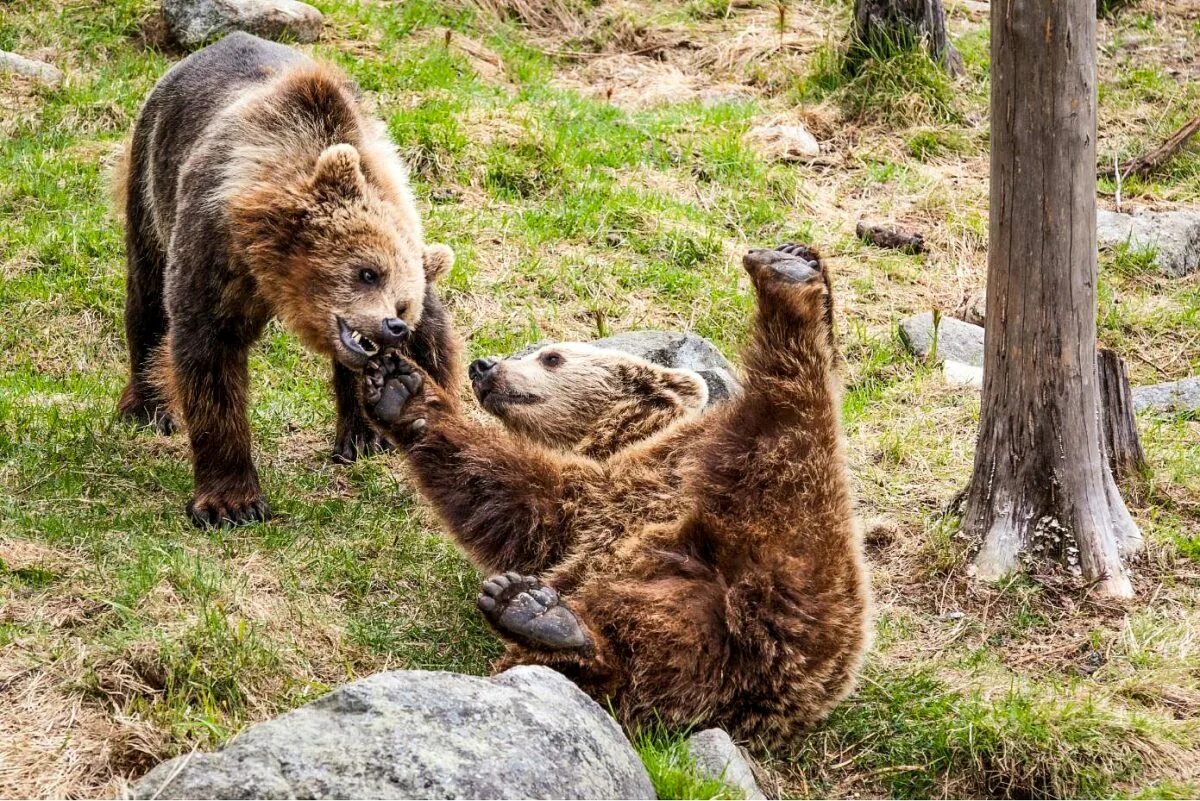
(585, 161)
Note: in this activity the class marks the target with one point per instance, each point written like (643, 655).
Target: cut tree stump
(890, 238)
(883, 23)
(1118, 424)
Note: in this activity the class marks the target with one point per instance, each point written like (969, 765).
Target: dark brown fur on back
(714, 568)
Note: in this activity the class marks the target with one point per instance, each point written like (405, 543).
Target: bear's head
(341, 264)
(574, 396)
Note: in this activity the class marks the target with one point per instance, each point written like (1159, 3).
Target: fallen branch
(1147, 164)
(890, 238)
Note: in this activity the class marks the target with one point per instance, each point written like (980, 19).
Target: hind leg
(523, 609)
(145, 316)
(355, 435)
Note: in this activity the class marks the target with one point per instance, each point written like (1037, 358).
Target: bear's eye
(550, 360)
(368, 276)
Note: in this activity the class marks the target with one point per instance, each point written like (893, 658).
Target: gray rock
(29, 68)
(1173, 235)
(1176, 396)
(962, 375)
(956, 341)
(526, 733)
(783, 142)
(194, 23)
(680, 352)
(718, 757)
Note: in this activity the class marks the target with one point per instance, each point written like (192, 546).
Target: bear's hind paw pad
(524, 607)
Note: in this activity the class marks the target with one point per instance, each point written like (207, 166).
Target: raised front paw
(213, 510)
(524, 608)
(356, 439)
(390, 382)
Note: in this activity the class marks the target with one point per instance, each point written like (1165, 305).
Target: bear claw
(523, 607)
(218, 514)
(357, 442)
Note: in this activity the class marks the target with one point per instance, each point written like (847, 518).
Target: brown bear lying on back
(257, 186)
(695, 568)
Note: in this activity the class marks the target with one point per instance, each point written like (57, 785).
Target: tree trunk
(1041, 485)
(1121, 442)
(891, 23)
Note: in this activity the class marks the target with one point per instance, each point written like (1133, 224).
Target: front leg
(509, 503)
(355, 435)
(211, 382)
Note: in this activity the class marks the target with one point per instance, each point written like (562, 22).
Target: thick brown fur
(257, 186)
(709, 574)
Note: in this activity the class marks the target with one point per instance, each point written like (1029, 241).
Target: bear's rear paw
(524, 608)
(357, 439)
(790, 263)
(389, 382)
(212, 511)
(149, 412)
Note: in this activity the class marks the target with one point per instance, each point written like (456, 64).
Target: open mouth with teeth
(356, 347)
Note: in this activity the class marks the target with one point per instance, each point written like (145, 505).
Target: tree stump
(1121, 442)
(887, 24)
(1041, 482)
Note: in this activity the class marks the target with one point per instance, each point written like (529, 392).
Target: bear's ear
(438, 261)
(339, 172)
(690, 386)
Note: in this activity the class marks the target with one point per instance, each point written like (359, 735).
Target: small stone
(526, 733)
(718, 757)
(1174, 236)
(1175, 396)
(194, 23)
(955, 615)
(445, 194)
(962, 375)
(38, 70)
(956, 341)
(783, 142)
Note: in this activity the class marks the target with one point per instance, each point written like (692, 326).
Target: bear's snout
(394, 331)
(481, 368)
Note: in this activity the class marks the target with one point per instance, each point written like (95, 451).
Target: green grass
(571, 217)
(672, 769)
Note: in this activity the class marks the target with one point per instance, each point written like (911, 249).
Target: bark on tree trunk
(1121, 442)
(1041, 484)
(907, 22)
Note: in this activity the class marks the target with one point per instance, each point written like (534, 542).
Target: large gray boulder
(956, 341)
(194, 23)
(1174, 236)
(526, 733)
(680, 352)
(718, 757)
(1175, 396)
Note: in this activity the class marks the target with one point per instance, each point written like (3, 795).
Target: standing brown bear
(696, 568)
(257, 186)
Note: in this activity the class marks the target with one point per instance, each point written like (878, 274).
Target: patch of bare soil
(619, 50)
(54, 743)
(20, 104)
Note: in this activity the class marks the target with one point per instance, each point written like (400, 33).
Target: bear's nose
(395, 330)
(480, 368)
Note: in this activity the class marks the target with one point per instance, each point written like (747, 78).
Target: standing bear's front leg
(210, 381)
